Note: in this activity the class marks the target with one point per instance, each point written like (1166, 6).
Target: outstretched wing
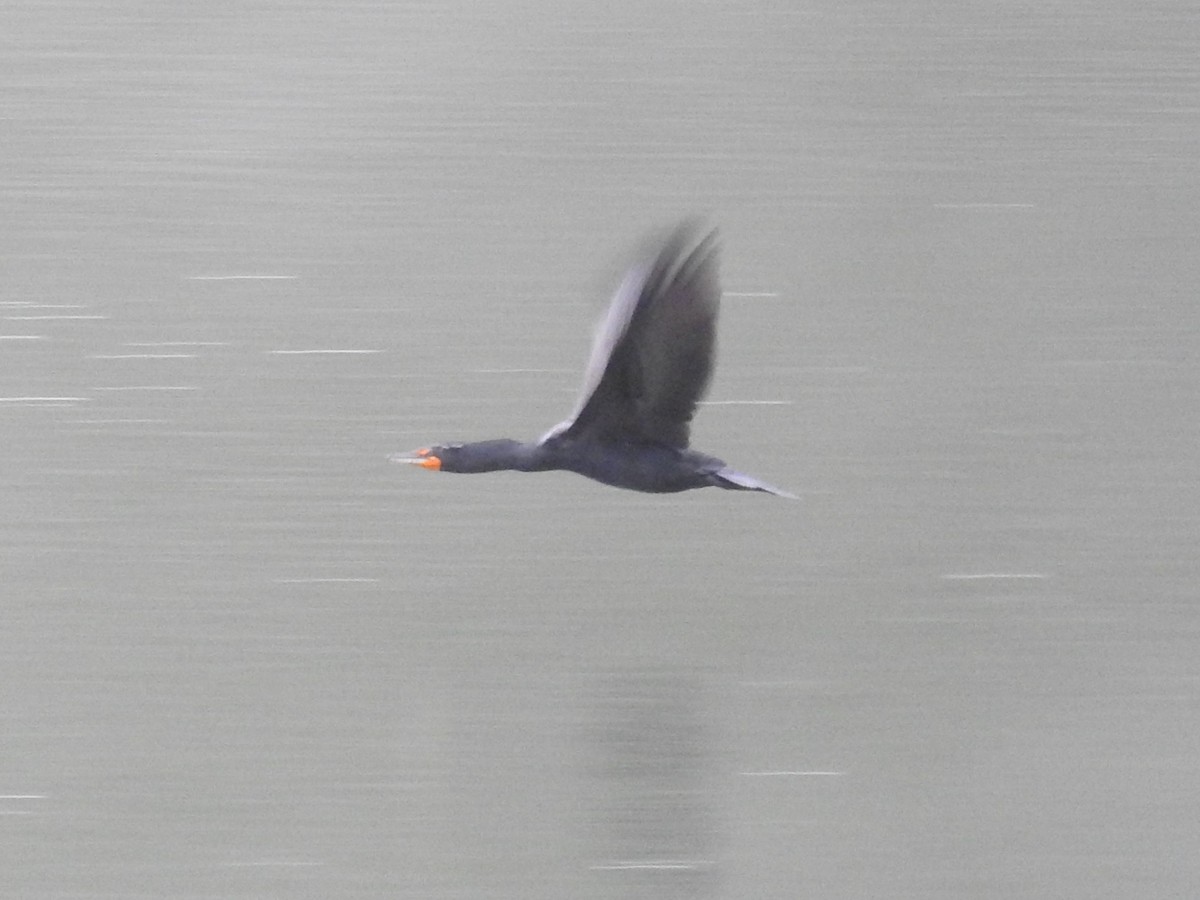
(652, 358)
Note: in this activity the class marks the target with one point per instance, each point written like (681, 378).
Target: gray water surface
(249, 251)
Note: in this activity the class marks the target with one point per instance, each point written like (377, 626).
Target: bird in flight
(650, 366)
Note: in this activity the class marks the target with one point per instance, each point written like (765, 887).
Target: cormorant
(651, 363)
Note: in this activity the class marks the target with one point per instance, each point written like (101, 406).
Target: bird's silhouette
(650, 366)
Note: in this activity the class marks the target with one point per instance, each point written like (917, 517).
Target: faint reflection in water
(653, 787)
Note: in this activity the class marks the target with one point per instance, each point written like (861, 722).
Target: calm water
(249, 252)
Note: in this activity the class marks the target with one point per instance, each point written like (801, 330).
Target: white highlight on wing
(610, 331)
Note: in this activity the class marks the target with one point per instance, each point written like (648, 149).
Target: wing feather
(652, 359)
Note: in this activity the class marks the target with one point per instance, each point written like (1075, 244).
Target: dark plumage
(651, 364)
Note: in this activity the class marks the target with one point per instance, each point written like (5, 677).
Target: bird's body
(652, 468)
(650, 366)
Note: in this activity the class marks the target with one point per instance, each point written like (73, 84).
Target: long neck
(495, 456)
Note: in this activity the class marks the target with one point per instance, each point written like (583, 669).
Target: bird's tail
(736, 481)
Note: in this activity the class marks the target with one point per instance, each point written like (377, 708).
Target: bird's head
(483, 456)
